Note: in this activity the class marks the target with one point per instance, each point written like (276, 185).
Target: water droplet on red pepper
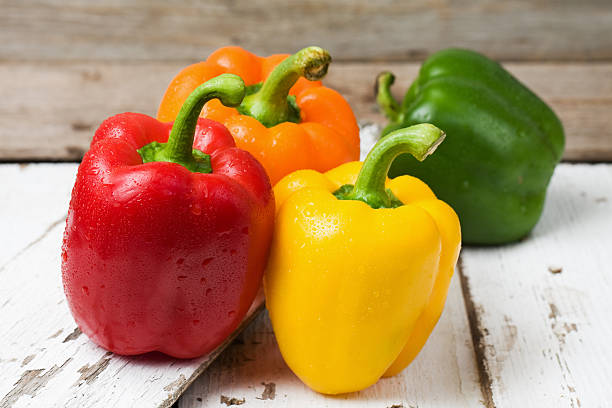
(196, 209)
(206, 262)
(85, 290)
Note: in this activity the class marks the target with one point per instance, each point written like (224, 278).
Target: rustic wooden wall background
(353, 30)
(67, 65)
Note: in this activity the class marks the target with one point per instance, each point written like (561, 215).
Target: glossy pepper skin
(357, 276)
(502, 146)
(289, 122)
(165, 246)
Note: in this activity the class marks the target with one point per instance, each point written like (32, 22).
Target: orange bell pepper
(288, 120)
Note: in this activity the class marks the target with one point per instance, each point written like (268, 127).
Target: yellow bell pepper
(360, 266)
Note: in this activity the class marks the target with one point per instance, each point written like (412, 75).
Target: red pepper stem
(269, 104)
(229, 89)
(419, 140)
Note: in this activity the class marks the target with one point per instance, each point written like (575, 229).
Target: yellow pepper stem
(419, 140)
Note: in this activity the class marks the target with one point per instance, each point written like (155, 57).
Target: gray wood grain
(162, 30)
(51, 110)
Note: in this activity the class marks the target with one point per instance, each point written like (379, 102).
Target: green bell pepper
(502, 144)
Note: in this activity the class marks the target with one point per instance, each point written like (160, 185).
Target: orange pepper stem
(419, 140)
(228, 88)
(269, 105)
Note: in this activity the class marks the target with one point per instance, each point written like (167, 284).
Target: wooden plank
(32, 206)
(44, 359)
(351, 29)
(253, 371)
(539, 317)
(50, 111)
(541, 306)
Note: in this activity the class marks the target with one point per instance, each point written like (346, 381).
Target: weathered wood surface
(252, 369)
(50, 110)
(542, 306)
(44, 359)
(539, 316)
(352, 29)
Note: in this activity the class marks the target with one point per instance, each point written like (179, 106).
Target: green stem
(229, 89)
(384, 98)
(270, 105)
(419, 140)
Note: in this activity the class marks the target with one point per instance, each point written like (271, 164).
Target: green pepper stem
(269, 104)
(229, 89)
(384, 98)
(419, 140)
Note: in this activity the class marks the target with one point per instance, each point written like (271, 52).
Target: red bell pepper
(165, 245)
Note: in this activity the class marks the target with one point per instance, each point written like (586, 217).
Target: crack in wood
(73, 336)
(269, 392)
(54, 335)
(560, 329)
(554, 311)
(79, 126)
(75, 152)
(90, 373)
(581, 101)
(30, 383)
(478, 333)
(566, 373)
(176, 383)
(27, 360)
(510, 333)
(229, 401)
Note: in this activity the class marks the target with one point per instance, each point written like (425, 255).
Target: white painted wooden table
(525, 325)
